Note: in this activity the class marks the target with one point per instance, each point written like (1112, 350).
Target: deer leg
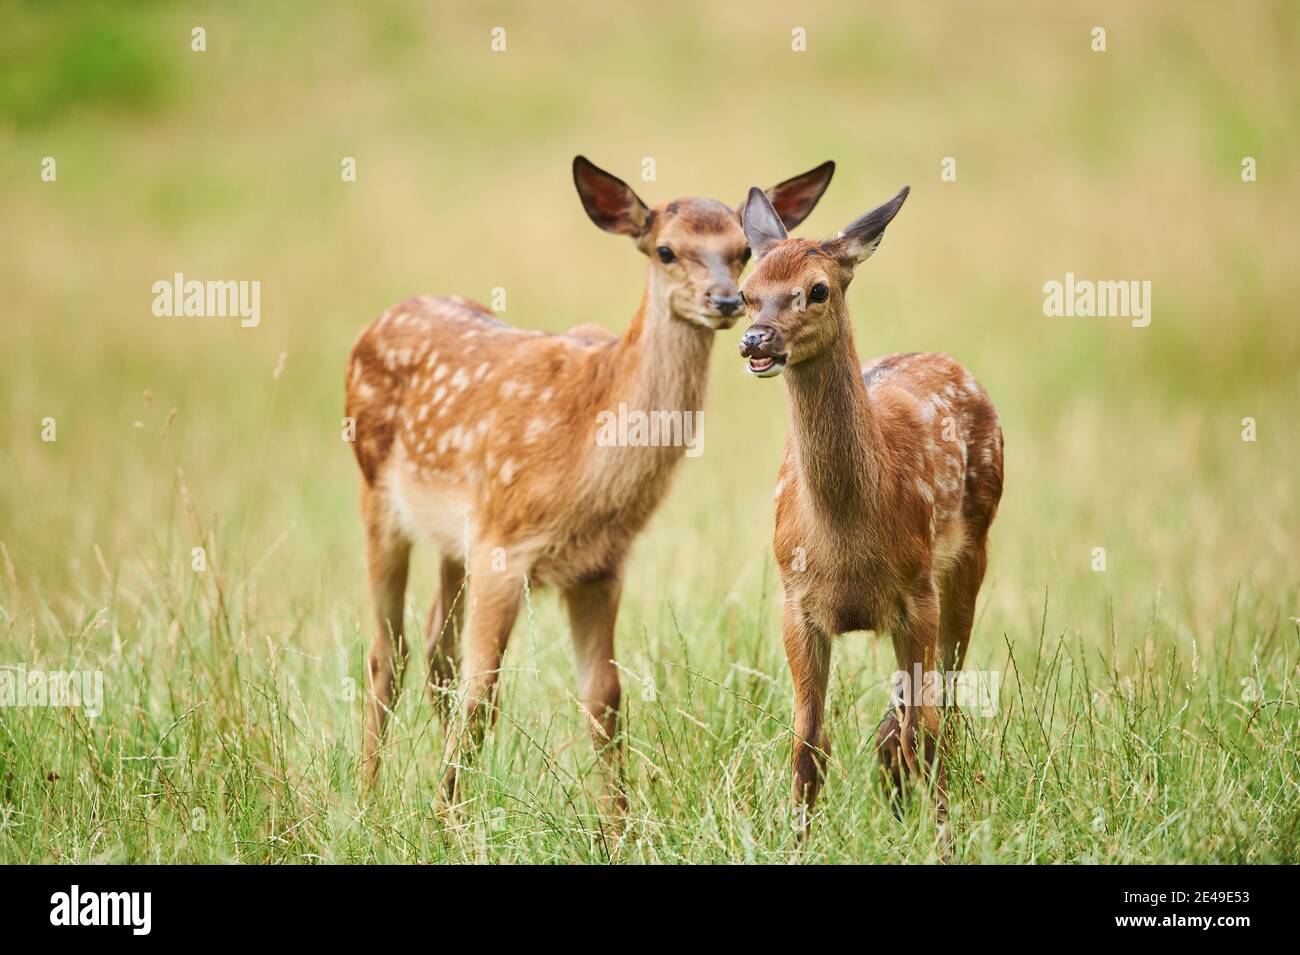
(808, 651)
(907, 741)
(957, 608)
(442, 635)
(956, 619)
(593, 607)
(494, 599)
(388, 558)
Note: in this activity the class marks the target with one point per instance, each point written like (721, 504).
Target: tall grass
(221, 741)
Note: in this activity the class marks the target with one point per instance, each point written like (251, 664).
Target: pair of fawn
(481, 437)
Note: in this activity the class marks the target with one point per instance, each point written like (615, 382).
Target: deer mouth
(766, 366)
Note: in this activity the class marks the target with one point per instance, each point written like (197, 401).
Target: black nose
(728, 305)
(752, 342)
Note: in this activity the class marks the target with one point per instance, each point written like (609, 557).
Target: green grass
(1148, 712)
(221, 742)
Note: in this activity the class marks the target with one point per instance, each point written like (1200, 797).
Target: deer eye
(744, 257)
(819, 292)
(665, 254)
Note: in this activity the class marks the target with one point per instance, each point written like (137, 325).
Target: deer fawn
(481, 438)
(891, 477)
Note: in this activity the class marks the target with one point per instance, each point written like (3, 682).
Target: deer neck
(663, 361)
(835, 435)
(660, 365)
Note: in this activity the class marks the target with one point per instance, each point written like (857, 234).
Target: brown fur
(882, 518)
(480, 437)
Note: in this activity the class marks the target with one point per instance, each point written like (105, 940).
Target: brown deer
(482, 438)
(891, 477)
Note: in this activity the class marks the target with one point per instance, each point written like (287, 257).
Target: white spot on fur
(536, 428)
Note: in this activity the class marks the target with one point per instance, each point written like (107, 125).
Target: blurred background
(225, 164)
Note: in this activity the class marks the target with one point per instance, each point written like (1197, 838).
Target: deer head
(697, 248)
(796, 292)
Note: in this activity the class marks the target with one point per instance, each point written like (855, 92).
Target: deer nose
(754, 341)
(725, 298)
(727, 304)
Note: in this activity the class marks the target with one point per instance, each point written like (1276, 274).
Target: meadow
(1143, 600)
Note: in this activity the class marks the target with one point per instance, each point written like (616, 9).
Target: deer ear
(862, 237)
(763, 227)
(795, 198)
(609, 201)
